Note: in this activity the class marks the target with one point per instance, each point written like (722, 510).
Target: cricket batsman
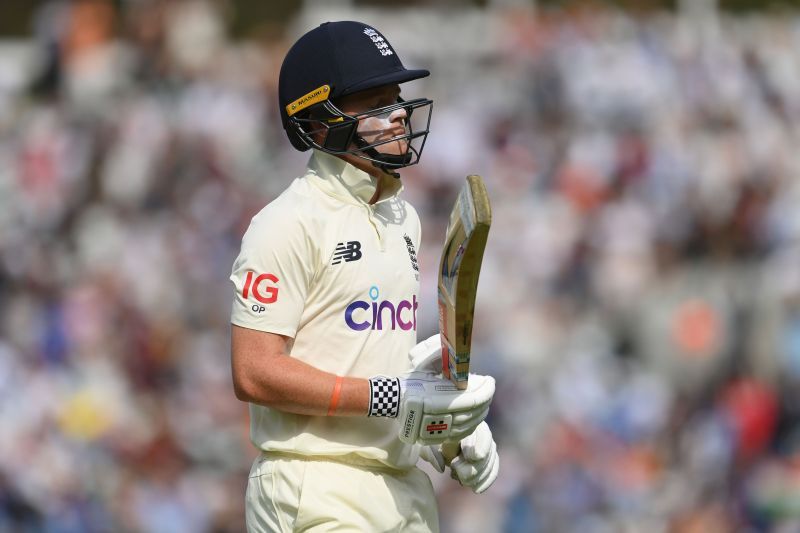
(343, 401)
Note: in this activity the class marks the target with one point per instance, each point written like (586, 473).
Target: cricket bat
(459, 268)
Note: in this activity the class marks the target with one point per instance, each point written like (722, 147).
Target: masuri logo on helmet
(314, 97)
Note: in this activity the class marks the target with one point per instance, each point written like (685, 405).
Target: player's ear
(340, 136)
(332, 131)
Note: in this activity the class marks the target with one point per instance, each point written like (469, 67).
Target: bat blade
(459, 269)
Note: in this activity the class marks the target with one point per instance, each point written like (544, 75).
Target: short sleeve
(271, 275)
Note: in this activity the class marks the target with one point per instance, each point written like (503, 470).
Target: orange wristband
(337, 390)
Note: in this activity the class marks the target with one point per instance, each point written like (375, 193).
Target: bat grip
(450, 450)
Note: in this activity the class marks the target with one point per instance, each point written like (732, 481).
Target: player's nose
(399, 114)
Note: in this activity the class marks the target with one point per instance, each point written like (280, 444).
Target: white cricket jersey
(340, 276)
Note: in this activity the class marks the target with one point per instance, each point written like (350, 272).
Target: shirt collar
(342, 180)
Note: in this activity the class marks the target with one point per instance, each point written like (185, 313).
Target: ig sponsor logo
(265, 294)
(383, 314)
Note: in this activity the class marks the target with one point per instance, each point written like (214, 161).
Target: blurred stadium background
(640, 299)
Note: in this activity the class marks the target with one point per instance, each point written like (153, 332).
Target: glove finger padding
(480, 472)
(486, 481)
(427, 355)
(490, 476)
(479, 445)
(470, 473)
(432, 410)
(475, 451)
(464, 424)
(479, 393)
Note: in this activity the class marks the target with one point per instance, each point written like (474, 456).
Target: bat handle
(450, 450)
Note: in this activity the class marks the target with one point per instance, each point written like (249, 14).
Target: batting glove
(478, 463)
(430, 408)
(427, 355)
(433, 410)
(433, 455)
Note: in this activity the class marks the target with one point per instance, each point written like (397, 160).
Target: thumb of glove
(427, 355)
(433, 455)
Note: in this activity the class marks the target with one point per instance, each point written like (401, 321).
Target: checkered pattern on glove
(384, 396)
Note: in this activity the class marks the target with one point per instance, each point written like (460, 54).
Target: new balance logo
(350, 251)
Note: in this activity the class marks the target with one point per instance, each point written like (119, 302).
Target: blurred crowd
(639, 303)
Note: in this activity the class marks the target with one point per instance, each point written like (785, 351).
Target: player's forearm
(263, 373)
(296, 387)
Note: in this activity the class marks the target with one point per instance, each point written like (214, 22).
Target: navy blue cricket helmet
(337, 59)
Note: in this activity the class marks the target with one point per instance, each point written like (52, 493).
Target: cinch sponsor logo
(269, 294)
(361, 315)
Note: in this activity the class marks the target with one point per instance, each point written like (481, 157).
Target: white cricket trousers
(285, 494)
